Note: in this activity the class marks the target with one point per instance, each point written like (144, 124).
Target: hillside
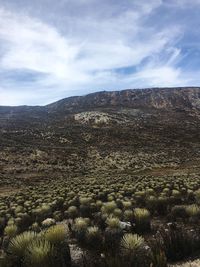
(129, 131)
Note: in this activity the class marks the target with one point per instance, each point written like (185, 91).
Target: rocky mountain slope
(122, 131)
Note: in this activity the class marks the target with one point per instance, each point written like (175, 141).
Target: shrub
(134, 251)
(112, 241)
(142, 220)
(93, 238)
(197, 196)
(177, 242)
(80, 227)
(48, 222)
(73, 212)
(56, 234)
(109, 207)
(19, 243)
(39, 253)
(17, 248)
(35, 227)
(151, 203)
(81, 224)
(113, 223)
(127, 204)
(117, 213)
(10, 230)
(130, 243)
(158, 257)
(85, 201)
(193, 211)
(128, 215)
(162, 204)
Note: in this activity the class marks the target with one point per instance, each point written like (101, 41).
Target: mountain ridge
(107, 94)
(130, 130)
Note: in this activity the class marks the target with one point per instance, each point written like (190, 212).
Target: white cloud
(85, 54)
(160, 75)
(182, 3)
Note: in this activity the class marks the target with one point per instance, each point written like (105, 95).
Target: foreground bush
(45, 249)
(134, 250)
(39, 253)
(113, 234)
(142, 220)
(57, 236)
(178, 243)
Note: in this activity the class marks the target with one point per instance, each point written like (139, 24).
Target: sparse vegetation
(111, 187)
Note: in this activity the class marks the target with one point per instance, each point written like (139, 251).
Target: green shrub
(135, 252)
(117, 213)
(197, 196)
(73, 212)
(158, 257)
(109, 207)
(142, 220)
(80, 224)
(56, 234)
(128, 215)
(10, 230)
(19, 243)
(39, 253)
(93, 238)
(177, 242)
(193, 211)
(80, 228)
(130, 243)
(113, 222)
(112, 241)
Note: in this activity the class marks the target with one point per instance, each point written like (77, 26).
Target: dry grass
(195, 263)
(7, 191)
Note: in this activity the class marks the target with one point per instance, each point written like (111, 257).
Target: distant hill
(121, 131)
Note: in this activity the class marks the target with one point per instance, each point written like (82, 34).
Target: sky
(51, 49)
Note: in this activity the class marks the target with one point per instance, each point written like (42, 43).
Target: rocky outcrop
(158, 98)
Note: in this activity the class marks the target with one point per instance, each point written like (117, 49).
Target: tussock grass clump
(157, 255)
(142, 220)
(113, 222)
(39, 253)
(56, 234)
(177, 243)
(80, 224)
(10, 230)
(80, 228)
(72, 212)
(134, 250)
(109, 207)
(94, 238)
(128, 215)
(18, 244)
(130, 243)
(117, 213)
(193, 211)
(197, 196)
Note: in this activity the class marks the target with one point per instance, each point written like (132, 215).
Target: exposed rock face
(129, 130)
(159, 98)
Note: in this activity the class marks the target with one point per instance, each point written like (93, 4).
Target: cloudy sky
(53, 49)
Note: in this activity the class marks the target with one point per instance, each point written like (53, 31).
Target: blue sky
(53, 49)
